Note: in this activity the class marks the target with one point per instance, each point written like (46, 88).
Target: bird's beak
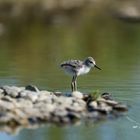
(97, 67)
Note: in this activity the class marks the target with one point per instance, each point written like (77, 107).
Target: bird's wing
(72, 63)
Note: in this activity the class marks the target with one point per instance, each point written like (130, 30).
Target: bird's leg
(75, 82)
(72, 84)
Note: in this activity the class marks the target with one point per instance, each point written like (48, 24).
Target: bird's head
(90, 62)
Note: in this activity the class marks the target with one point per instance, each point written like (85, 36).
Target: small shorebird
(77, 67)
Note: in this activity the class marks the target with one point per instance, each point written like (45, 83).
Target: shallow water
(31, 54)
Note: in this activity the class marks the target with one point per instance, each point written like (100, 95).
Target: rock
(18, 112)
(7, 117)
(22, 103)
(1, 95)
(22, 94)
(60, 112)
(109, 102)
(76, 108)
(58, 93)
(29, 106)
(1, 91)
(45, 93)
(32, 88)
(50, 107)
(93, 115)
(44, 96)
(106, 96)
(33, 120)
(12, 91)
(4, 105)
(73, 116)
(8, 98)
(81, 103)
(64, 100)
(120, 107)
(77, 94)
(30, 95)
(104, 107)
(93, 104)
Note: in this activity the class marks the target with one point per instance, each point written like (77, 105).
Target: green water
(31, 54)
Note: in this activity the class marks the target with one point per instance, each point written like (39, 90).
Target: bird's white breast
(83, 70)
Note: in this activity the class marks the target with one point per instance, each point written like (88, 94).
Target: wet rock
(106, 96)
(104, 107)
(32, 88)
(109, 102)
(7, 117)
(93, 115)
(31, 112)
(33, 120)
(120, 107)
(73, 116)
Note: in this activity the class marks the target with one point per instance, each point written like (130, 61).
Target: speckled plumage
(77, 67)
(72, 66)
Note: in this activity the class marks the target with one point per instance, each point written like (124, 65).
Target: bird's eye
(91, 62)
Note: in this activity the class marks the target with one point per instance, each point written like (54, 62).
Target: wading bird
(77, 67)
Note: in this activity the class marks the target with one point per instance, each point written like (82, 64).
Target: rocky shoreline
(29, 106)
